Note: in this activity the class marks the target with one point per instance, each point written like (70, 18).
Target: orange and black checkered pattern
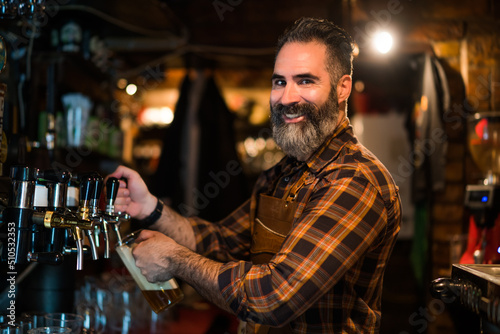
(327, 276)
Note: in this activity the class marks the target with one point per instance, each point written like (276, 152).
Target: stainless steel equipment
(475, 282)
(477, 288)
(45, 229)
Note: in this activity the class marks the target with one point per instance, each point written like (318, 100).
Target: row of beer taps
(55, 212)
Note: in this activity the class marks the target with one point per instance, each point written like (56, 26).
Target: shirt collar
(331, 147)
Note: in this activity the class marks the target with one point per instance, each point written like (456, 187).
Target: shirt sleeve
(340, 223)
(226, 240)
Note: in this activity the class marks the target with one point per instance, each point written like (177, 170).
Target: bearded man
(307, 252)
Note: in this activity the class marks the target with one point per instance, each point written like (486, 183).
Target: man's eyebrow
(276, 76)
(296, 76)
(306, 76)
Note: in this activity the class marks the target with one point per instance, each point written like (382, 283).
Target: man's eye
(279, 82)
(305, 81)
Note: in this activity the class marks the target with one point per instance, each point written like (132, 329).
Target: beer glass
(50, 330)
(160, 295)
(70, 320)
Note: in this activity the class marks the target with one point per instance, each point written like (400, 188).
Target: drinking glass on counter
(70, 320)
(8, 329)
(114, 304)
(50, 330)
(37, 319)
(91, 302)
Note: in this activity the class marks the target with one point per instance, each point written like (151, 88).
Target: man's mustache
(300, 109)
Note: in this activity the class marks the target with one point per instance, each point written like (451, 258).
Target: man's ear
(344, 87)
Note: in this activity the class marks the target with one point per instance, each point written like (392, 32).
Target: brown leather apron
(271, 224)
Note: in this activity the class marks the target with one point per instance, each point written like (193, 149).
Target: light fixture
(156, 116)
(121, 83)
(131, 89)
(383, 42)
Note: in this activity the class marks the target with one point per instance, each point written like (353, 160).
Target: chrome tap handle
(86, 191)
(112, 186)
(96, 194)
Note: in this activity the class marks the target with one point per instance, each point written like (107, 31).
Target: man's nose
(290, 95)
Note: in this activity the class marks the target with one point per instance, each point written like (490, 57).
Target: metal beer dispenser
(45, 228)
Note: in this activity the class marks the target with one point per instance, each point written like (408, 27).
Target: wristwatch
(154, 216)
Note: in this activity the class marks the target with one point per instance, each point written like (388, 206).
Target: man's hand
(133, 196)
(160, 258)
(152, 255)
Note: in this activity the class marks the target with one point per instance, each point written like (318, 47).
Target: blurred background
(179, 90)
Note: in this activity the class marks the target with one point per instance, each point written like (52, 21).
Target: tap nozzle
(110, 217)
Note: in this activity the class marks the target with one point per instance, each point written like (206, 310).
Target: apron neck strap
(294, 189)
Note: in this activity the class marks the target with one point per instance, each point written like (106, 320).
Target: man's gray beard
(300, 140)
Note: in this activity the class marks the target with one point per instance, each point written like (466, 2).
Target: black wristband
(154, 216)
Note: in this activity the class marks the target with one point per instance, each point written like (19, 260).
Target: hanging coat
(199, 170)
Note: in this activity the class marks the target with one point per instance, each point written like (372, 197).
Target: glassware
(484, 144)
(36, 318)
(70, 320)
(90, 306)
(8, 329)
(50, 330)
(160, 295)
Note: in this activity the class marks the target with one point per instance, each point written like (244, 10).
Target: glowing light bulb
(383, 42)
(131, 89)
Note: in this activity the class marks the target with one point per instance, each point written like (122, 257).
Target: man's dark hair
(337, 41)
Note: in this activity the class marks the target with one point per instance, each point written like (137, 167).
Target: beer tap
(77, 223)
(57, 185)
(110, 217)
(95, 212)
(58, 220)
(49, 246)
(20, 209)
(84, 213)
(94, 215)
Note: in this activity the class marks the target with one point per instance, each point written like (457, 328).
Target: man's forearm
(201, 273)
(176, 227)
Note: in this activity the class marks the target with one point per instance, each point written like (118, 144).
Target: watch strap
(154, 216)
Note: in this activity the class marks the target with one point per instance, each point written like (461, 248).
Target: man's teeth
(292, 115)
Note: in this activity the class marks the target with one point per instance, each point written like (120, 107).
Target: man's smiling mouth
(293, 118)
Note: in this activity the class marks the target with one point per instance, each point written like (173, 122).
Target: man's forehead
(300, 57)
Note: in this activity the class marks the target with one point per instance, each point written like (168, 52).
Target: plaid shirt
(328, 275)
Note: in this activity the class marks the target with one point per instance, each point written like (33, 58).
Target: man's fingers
(145, 235)
(122, 172)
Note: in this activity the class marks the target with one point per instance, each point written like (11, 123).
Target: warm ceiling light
(131, 89)
(383, 42)
(121, 83)
(161, 116)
